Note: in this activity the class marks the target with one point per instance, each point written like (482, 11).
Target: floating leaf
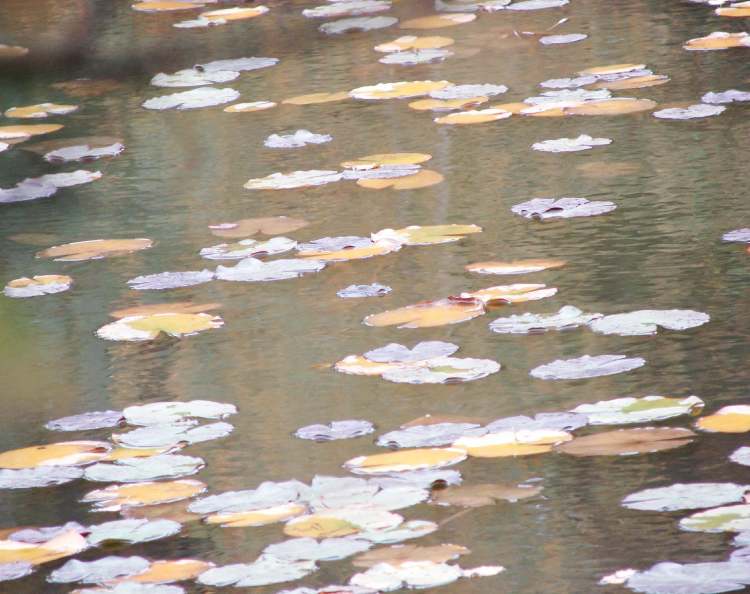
(246, 248)
(343, 522)
(740, 235)
(115, 497)
(415, 574)
(88, 148)
(699, 110)
(718, 40)
(422, 351)
(397, 90)
(136, 470)
(481, 495)
(41, 476)
(265, 226)
(562, 39)
(583, 142)
(728, 419)
(427, 235)
(65, 453)
(636, 82)
(193, 99)
(26, 130)
(412, 58)
(254, 270)
(177, 325)
(508, 294)
(357, 24)
(537, 4)
(437, 21)
(417, 459)
(309, 549)
(514, 266)
(237, 13)
(170, 436)
(193, 77)
(562, 208)
(186, 307)
(411, 42)
(132, 531)
(41, 110)
(567, 318)
(46, 284)
(474, 117)
(295, 179)
(566, 421)
(399, 554)
(238, 64)
(100, 571)
(259, 517)
(613, 106)
(443, 370)
(424, 179)
(335, 430)
(334, 494)
(160, 413)
(170, 280)
(686, 496)
(160, 572)
(12, 51)
(524, 442)
(264, 571)
(251, 106)
(386, 160)
(19, 569)
(627, 442)
(730, 518)
(741, 10)
(315, 98)
(730, 96)
(64, 545)
(565, 83)
(46, 185)
(358, 291)
(94, 249)
(165, 6)
(325, 250)
(447, 104)
(346, 8)
(437, 434)
(691, 578)
(741, 456)
(587, 366)
(132, 587)
(299, 139)
(267, 495)
(599, 71)
(639, 410)
(646, 321)
(427, 314)
(87, 421)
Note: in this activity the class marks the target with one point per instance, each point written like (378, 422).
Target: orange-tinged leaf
(517, 293)
(357, 253)
(386, 159)
(314, 98)
(185, 307)
(165, 572)
(411, 42)
(730, 419)
(423, 179)
(514, 266)
(320, 526)
(115, 497)
(24, 131)
(358, 365)
(165, 6)
(403, 460)
(514, 108)
(614, 106)
(41, 110)
(398, 90)
(428, 314)
(719, 40)
(612, 69)
(66, 453)
(234, 14)
(731, 11)
(249, 107)
(437, 21)
(473, 117)
(446, 104)
(44, 279)
(637, 82)
(64, 545)
(94, 249)
(258, 517)
(511, 443)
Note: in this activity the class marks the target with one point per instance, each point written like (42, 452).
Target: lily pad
(718, 40)
(686, 496)
(509, 294)
(170, 280)
(335, 430)
(264, 571)
(246, 248)
(299, 139)
(447, 104)
(41, 110)
(428, 314)
(168, 436)
(427, 235)
(730, 518)
(136, 470)
(309, 549)
(567, 318)
(250, 106)
(66, 453)
(260, 517)
(17, 570)
(638, 410)
(165, 5)
(115, 497)
(728, 419)
(562, 39)
(46, 185)
(132, 531)
(741, 456)
(160, 572)
(417, 459)
(237, 13)
(481, 495)
(295, 179)
(740, 235)
(699, 110)
(644, 322)
(46, 284)
(41, 476)
(628, 442)
(266, 495)
(358, 291)
(514, 267)
(87, 421)
(399, 554)
(587, 366)
(238, 64)
(69, 542)
(691, 578)
(397, 90)
(477, 116)
(420, 436)
(556, 421)
(420, 352)
(193, 99)
(412, 43)
(537, 4)
(254, 270)
(422, 179)
(613, 106)
(333, 494)
(413, 58)
(100, 571)
(730, 96)
(342, 522)
(89, 148)
(357, 24)
(506, 443)
(583, 142)
(266, 226)
(346, 8)
(131, 587)
(94, 249)
(140, 328)
(443, 370)
(315, 98)
(437, 21)
(159, 413)
(193, 77)
(413, 574)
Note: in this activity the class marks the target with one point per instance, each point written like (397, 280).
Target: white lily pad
(699, 110)
(730, 96)
(646, 321)
(87, 421)
(169, 436)
(569, 83)
(562, 208)
(443, 370)
(621, 411)
(537, 4)
(420, 436)
(686, 496)
(135, 470)
(132, 531)
(346, 8)
(587, 366)
(160, 413)
(583, 142)
(238, 64)
(741, 456)
(567, 318)
(298, 139)
(99, 571)
(262, 572)
(563, 95)
(46, 185)
(266, 495)
(133, 588)
(193, 77)
(295, 179)
(357, 24)
(562, 421)
(42, 476)
(358, 291)
(335, 430)
(729, 518)
(562, 39)
(46, 284)
(78, 149)
(170, 280)
(691, 578)
(739, 235)
(420, 352)
(406, 531)
(15, 571)
(309, 549)
(193, 99)
(254, 270)
(44, 534)
(415, 57)
(246, 248)
(468, 91)
(330, 493)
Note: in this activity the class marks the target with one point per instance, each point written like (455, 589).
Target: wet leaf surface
(135, 470)
(514, 267)
(149, 327)
(193, 99)
(587, 366)
(116, 497)
(131, 531)
(583, 142)
(87, 421)
(358, 291)
(335, 430)
(647, 321)
(728, 419)
(567, 318)
(46, 284)
(94, 249)
(417, 459)
(628, 442)
(357, 24)
(399, 554)
(639, 410)
(685, 496)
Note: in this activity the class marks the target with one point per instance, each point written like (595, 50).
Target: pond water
(678, 186)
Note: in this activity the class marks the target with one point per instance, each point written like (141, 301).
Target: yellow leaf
(66, 453)
(24, 131)
(234, 14)
(149, 493)
(514, 267)
(731, 11)
(437, 21)
(517, 293)
(248, 107)
(612, 69)
(64, 545)
(181, 307)
(403, 460)
(44, 279)
(386, 159)
(428, 314)
(730, 419)
(358, 365)
(357, 253)
(446, 104)
(320, 526)
(94, 249)
(511, 443)
(718, 40)
(637, 82)
(410, 42)
(165, 572)
(314, 98)
(428, 234)
(165, 6)
(258, 517)
(614, 106)
(423, 179)
(474, 117)
(514, 108)
(175, 324)
(398, 90)
(41, 110)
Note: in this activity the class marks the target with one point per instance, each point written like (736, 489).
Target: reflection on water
(678, 186)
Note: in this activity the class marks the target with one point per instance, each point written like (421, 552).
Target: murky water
(678, 186)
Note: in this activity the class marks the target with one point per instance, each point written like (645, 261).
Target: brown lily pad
(481, 495)
(398, 554)
(625, 442)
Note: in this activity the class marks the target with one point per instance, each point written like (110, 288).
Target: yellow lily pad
(446, 104)
(357, 253)
(514, 267)
(473, 117)
(511, 443)
(314, 98)
(614, 106)
(514, 108)
(423, 179)
(404, 460)
(719, 40)
(359, 365)
(386, 159)
(249, 107)
(732, 11)
(165, 6)
(398, 90)
(64, 545)
(234, 14)
(550, 110)
(729, 419)
(115, 497)
(258, 517)
(184, 307)
(428, 234)
(506, 294)
(411, 42)
(138, 328)
(65, 453)
(637, 82)
(611, 69)
(165, 572)
(41, 110)
(26, 130)
(320, 526)
(94, 249)
(428, 314)
(438, 21)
